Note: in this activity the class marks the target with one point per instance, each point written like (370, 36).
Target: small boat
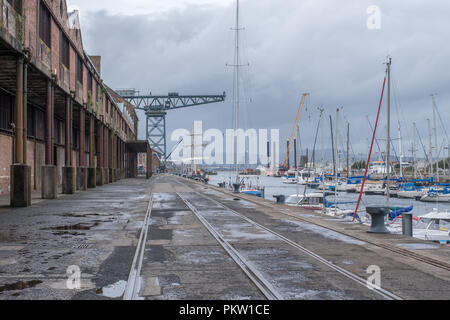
(311, 201)
(411, 191)
(438, 228)
(290, 178)
(437, 196)
(253, 192)
(374, 190)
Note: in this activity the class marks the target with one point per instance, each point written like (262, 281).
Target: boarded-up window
(45, 25)
(65, 51)
(30, 122)
(6, 111)
(75, 138)
(79, 69)
(40, 130)
(89, 82)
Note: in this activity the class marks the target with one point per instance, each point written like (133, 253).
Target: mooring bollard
(407, 224)
(237, 187)
(378, 215)
(280, 199)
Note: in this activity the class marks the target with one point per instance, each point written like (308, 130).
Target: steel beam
(156, 108)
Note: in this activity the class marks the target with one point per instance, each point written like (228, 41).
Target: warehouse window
(89, 82)
(30, 122)
(65, 51)
(6, 111)
(79, 69)
(45, 25)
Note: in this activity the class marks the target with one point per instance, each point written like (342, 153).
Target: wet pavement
(97, 232)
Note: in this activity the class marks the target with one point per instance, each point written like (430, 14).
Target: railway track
(256, 277)
(404, 252)
(133, 283)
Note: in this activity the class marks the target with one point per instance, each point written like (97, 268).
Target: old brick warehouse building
(60, 126)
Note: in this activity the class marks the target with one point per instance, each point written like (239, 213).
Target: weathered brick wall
(30, 23)
(73, 73)
(55, 48)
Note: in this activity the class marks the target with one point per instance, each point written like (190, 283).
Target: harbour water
(274, 186)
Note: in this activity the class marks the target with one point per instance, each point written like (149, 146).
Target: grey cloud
(321, 47)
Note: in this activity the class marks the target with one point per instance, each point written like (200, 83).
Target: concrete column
(100, 171)
(20, 172)
(19, 113)
(105, 155)
(111, 156)
(149, 163)
(92, 171)
(49, 186)
(82, 171)
(68, 171)
(25, 111)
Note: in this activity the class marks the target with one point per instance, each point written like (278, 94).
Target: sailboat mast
(388, 137)
(236, 87)
(435, 138)
(431, 149)
(337, 143)
(348, 150)
(400, 148)
(414, 149)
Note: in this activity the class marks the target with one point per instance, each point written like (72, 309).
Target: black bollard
(280, 199)
(378, 215)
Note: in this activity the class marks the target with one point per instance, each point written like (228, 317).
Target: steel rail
(132, 287)
(253, 274)
(382, 292)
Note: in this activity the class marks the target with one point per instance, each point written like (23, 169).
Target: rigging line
(442, 122)
(423, 146)
(376, 140)
(400, 106)
(371, 148)
(350, 140)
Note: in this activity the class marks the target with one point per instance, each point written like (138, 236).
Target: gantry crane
(156, 108)
(297, 121)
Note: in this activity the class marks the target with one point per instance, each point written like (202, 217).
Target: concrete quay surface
(205, 243)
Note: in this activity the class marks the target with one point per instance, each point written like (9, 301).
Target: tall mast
(337, 144)
(388, 138)
(236, 87)
(323, 136)
(435, 138)
(414, 149)
(400, 148)
(431, 149)
(348, 149)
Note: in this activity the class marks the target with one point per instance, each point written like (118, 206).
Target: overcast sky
(293, 46)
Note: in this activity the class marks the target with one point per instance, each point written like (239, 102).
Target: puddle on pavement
(20, 285)
(115, 290)
(417, 246)
(79, 226)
